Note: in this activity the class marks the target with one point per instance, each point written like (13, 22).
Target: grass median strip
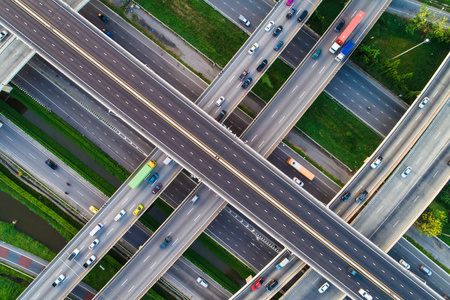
(51, 145)
(12, 283)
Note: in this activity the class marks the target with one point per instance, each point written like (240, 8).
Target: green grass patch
(23, 241)
(442, 202)
(272, 80)
(325, 14)
(38, 204)
(98, 278)
(428, 254)
(389, 37)
(339, 131)
(51, 145)
(74, 136)
(202, 26)
(302, 154)
(12, 283)
(247, 111)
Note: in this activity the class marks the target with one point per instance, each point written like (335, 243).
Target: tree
(431, 222)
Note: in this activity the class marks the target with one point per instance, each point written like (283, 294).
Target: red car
(157, 188)
(258, 283)
(289, 2)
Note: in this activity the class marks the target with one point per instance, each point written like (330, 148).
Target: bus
(301, 169)
(140, 176)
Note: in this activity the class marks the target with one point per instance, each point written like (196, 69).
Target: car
(376, 162)
(3, 34)
(317, 54)
(103, 17)
(120, 215)
(262, 65)
(289, 2)
(58, 280)
(157, 188)
(93, 244)
(354, 273)
(138, 209)
(278, 31)
(1, 124)
(424, 102)
(202, 282)
(73, 254)
(426, 270)
(247, 83)
(257, 283)
(153, 178)
(107, 32)
(269, 26)
(220, 101)
(291, 13)
(89, 261)
(406, 172)
(278, 46)
(339, 26)
(346, 195)
(253, 48)
(244, 20)
(405, 264)
(298, 181)
(362, 196)
(222, 114)
(303, 15)
(271, 285)
(165, 242)
(244, 74)
(324, 287)
(93, 209)
(365, 294)
(51, 164)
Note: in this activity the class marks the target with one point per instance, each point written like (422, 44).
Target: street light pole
(424, 42)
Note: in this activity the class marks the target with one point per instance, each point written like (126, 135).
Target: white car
(202, 282)
(89, 261)
(365, 294)
(405, 264)
(424, 102)
(324, 287)
(58, 280)
(270, 26)
(253, 48)
(220, 101)
(376, 162)
(298, 181)
(93, 244)
(406, 172)
(3, 34)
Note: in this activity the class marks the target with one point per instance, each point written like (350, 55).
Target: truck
(301, 169)
(140, 176)
(348, 30)
(96, 229)
(282, 263)
(345, 51)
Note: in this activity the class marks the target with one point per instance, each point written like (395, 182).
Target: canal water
(30, 223)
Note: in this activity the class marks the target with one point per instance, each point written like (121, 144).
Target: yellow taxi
(93, 209)
(138, 210)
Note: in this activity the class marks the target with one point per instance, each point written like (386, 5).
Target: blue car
(107, 33)
(165, 242)
(153, 178)
(278, 46)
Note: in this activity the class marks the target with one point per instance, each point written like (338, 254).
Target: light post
(424, 42)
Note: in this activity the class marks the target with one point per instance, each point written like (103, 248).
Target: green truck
(140, 176)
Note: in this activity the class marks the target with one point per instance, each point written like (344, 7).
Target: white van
(167, 161)
(202, 282)
(194, 199)
(120, 215)
(282, 263)
(96, 229)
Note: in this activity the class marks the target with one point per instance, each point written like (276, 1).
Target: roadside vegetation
(73, 135)
(428, 254)
(47, 142)
(12, 283)
(212, 246)
(38, 204)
